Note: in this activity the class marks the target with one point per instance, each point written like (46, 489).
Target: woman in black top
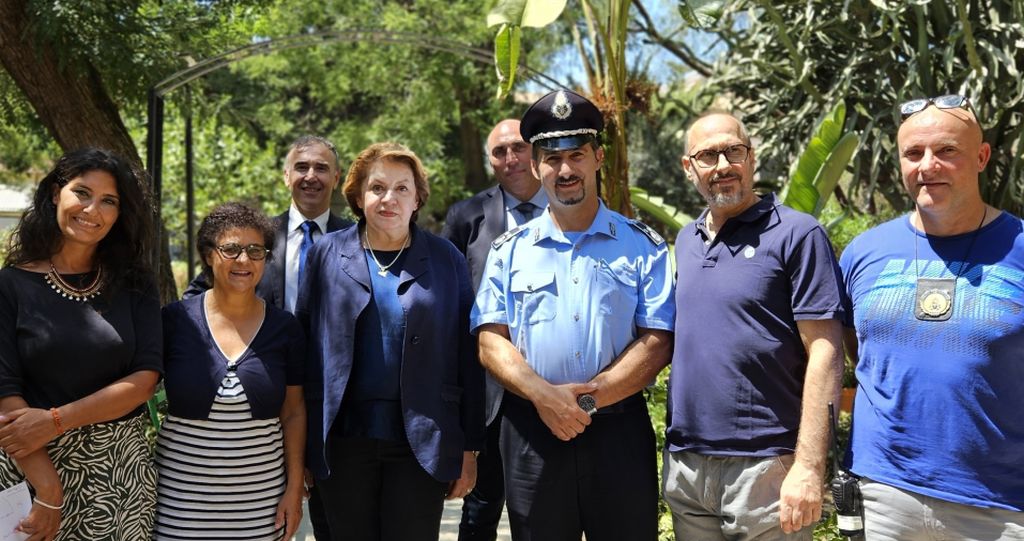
(80, 352)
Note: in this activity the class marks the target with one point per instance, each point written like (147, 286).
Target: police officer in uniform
(574, 315)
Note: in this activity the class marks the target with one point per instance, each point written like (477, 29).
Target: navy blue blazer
(441, 381)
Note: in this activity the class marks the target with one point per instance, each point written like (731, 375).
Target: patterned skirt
(109, 481)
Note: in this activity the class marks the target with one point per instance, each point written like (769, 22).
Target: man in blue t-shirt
(938, 306)
(758, 353)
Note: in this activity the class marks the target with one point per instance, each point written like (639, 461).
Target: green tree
(101, 57)
(788, 63)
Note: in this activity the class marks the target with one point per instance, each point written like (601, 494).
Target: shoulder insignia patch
(507, 236)
(648, 232)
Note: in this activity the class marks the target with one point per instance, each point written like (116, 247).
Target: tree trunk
(69, 99)
(470, 140)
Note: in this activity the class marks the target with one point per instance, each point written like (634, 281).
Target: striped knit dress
(221, 478)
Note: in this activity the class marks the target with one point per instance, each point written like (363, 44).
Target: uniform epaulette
(648, 232)
(507, 236)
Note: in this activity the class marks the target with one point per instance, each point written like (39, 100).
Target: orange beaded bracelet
(56, 420)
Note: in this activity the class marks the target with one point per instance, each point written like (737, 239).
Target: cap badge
(561, 109)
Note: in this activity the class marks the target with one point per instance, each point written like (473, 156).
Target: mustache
(573, 178)
(723, 176)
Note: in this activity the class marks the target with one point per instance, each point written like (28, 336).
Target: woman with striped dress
(230, 453)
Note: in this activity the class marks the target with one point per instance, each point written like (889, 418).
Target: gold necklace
(384, 268)
(69, 291)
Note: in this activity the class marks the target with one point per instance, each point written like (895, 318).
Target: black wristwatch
(587, 403)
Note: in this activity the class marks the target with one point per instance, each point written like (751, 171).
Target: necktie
(308, 227)
(526, 210)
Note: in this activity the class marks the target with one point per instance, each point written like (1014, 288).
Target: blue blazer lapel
(353, 260)
(417, 260)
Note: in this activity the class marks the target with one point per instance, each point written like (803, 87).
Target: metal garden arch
(158, 92)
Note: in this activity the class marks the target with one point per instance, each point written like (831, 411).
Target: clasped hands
(25, 430)
(557, 407)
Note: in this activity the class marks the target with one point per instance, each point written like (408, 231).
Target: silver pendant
(383, 272)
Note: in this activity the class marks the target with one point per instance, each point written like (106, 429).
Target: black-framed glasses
(949, 101)
(733, 154)
(232, 250)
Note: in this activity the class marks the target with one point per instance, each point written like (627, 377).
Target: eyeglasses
(733, 154)
(232, 250)
(949, 101)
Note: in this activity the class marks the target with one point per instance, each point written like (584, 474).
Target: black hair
(123, 253)
(233, 215)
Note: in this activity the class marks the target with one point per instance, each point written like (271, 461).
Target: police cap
(561, 120)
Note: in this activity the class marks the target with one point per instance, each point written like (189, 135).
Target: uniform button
(576, 317)
(529, 287)
(577, 355)
(576, 280)
(415, 339)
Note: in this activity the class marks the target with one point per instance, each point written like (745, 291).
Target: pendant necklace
(384, 268)
(934, 300)
(68, 291)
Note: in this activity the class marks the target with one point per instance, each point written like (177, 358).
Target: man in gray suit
(472, 224)
(311, 173)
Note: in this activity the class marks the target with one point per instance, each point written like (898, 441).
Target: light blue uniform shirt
(572, 307)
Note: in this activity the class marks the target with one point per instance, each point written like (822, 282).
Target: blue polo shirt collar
(604, 224)
(763, 206)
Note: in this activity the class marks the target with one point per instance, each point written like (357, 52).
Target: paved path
(449, 525)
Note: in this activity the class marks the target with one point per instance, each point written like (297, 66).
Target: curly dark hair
(123, 252)
(230, 216)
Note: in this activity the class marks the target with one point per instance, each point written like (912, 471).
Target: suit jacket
(271, 286)
(472, 224)
(441, 380)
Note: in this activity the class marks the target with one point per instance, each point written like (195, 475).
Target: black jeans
(377, 491)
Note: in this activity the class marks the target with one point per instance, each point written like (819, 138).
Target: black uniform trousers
(603, 482)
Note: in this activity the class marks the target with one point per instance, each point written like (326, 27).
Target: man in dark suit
(472, 224)
(311, 173)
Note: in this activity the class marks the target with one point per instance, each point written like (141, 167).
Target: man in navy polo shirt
(758, 353)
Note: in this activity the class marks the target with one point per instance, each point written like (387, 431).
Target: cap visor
(559, 144)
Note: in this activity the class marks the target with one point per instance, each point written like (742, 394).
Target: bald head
(959, 121)
(941, 156)
(713, 123)
(509, 156)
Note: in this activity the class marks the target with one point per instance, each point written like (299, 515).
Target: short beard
(576, 200)
(720, 199)
(723, 199)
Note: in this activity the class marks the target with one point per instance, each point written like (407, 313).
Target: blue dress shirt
(573, 306)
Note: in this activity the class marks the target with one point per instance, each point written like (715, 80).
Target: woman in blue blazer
(393, 389)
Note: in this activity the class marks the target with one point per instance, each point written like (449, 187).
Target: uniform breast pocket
(535, 295)
(616, 285)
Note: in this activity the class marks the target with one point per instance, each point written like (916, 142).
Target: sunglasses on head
(949, 101)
